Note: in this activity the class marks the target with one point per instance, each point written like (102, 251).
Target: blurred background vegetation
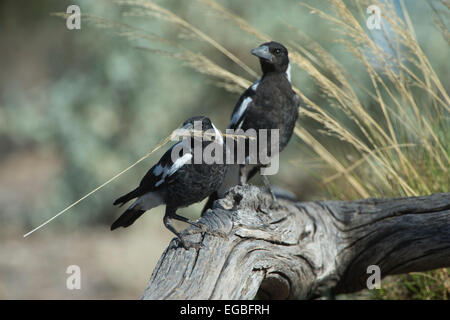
(78, 106)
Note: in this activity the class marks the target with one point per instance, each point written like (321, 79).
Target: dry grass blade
(241, 23)
(148, 154)
(177, 20)
(361, 161)
(330, 159)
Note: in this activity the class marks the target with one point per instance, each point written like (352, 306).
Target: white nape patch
(158, 170)
(147, 201)
(240, 111)
(288, 72)
(218, 134)
(255, 85)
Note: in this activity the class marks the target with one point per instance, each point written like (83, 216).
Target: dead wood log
(302, 250)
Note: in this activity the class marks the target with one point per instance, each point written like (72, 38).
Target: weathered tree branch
(302, 250)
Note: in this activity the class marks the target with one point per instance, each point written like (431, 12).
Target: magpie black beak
(262, 52)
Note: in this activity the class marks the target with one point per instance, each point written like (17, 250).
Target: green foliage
(431, 285)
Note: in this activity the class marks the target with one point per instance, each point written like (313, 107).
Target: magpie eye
(277, 51)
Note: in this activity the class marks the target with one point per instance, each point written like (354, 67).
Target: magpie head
(273, 57)
(198, 123)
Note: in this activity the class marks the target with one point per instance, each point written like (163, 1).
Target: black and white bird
(269, 103)
(176, 180)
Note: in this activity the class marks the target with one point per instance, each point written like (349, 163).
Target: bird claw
(199, 228)
(264, 210)
(276, 205)
(203, 228)
(189, 244)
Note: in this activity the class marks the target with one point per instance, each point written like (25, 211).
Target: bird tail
(143, 203)
(124, 199)
(127, 218)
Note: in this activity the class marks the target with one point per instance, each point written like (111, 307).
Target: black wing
(156, 177)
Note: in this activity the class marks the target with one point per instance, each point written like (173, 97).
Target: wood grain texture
(302, 250)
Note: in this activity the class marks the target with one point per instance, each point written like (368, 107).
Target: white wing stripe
(237, 115)
(179, 163)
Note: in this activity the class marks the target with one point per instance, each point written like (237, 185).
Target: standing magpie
(269, 103)
(176, 180)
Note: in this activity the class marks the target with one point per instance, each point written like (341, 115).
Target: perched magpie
(176, 180)
(269, 103)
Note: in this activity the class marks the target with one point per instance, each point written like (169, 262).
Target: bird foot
(199, 228)
(275, 205)
(189, 244)
(203, 228)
